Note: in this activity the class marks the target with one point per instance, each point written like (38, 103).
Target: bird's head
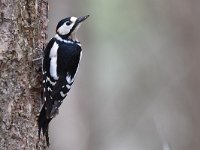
(68, 27)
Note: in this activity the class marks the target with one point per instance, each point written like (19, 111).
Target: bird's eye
(68, 23)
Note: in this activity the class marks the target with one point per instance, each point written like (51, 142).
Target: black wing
(54, 91)
(68, 56)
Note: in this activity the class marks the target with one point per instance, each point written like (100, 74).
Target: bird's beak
(81, 19)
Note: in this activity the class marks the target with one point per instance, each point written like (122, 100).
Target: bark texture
(23, 26)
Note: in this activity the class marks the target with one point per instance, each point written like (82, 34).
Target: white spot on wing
(51, 82)
(49, 89)
(72, 80)
(62, 94)
(68, 86)
(68, 78)
(44, 72)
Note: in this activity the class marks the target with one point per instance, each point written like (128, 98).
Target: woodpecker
(60, 63)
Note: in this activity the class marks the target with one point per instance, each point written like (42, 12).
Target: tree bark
(23, 26)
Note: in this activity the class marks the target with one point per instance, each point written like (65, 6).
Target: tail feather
(43, 124)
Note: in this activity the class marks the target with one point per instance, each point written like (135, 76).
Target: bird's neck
(71, 37)
(62, 37)
(65, 39)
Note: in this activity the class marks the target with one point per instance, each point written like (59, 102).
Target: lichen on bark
(23, 26)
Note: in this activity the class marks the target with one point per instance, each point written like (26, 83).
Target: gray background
(138, 85)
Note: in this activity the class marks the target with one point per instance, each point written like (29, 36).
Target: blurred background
(138, 84)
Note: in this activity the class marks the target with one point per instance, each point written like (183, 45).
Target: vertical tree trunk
(23, 26)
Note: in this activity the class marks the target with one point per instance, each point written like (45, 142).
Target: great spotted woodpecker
(61, 60)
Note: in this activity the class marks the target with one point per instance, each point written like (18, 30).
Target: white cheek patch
(65, 29)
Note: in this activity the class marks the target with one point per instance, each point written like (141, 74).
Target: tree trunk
(23, 26)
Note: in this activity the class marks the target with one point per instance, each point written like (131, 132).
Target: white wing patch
(53, 62)
(53, 68)
(53, 51)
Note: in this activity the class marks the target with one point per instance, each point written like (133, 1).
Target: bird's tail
(43, 124)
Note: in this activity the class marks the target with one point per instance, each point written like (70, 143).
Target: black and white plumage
(60, 63)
